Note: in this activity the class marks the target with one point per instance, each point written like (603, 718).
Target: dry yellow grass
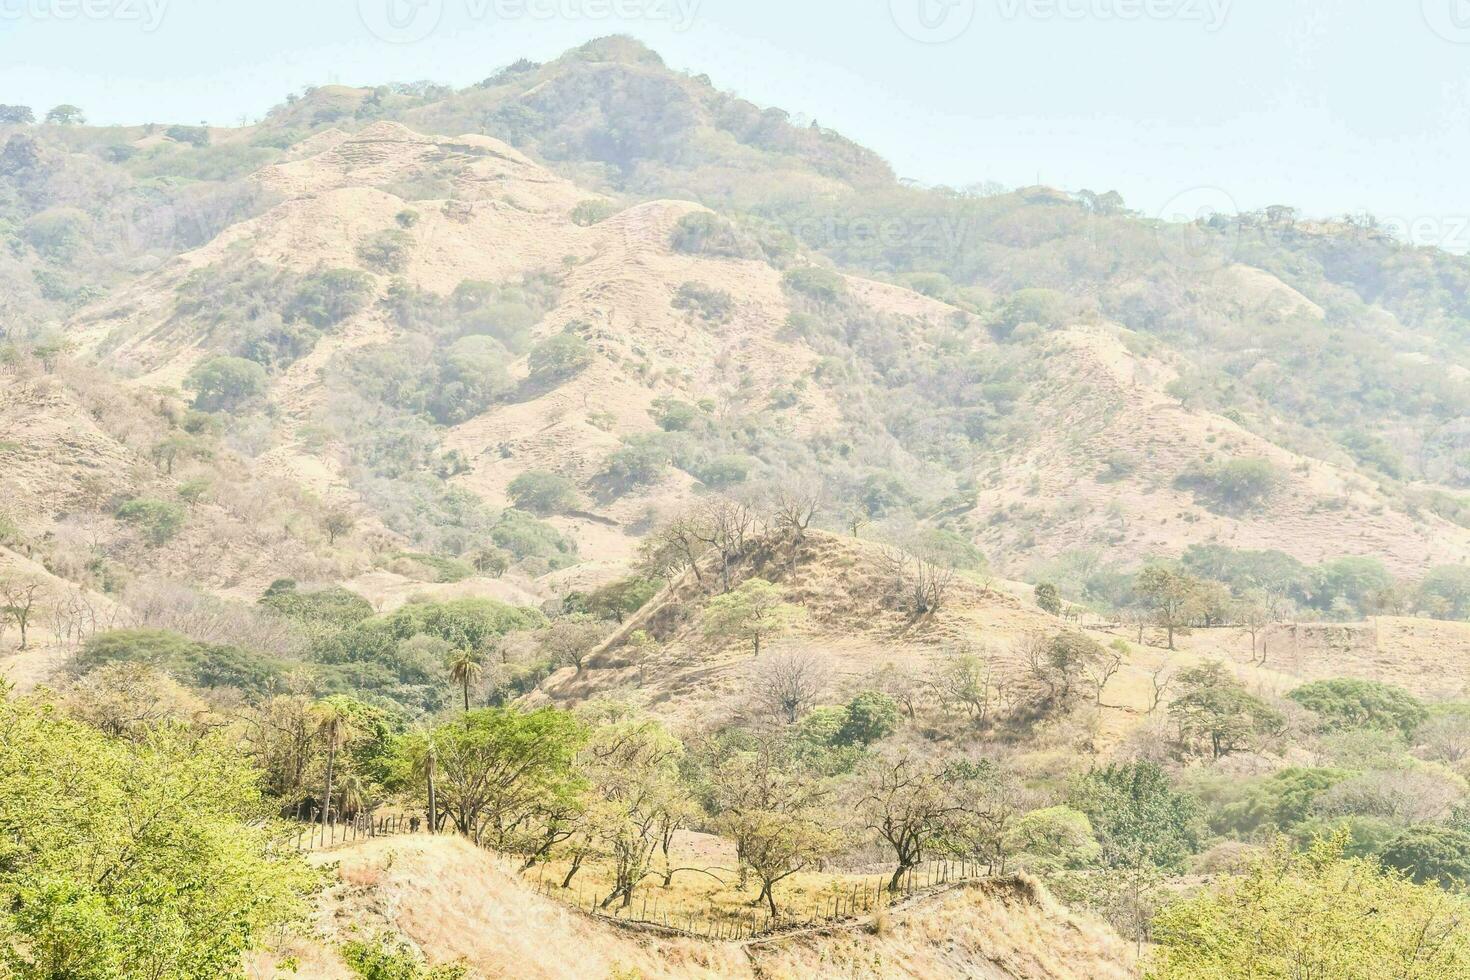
(453, 902)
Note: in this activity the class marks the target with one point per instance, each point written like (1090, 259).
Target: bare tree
(673, 548)
(724, 525)
(790, 684)
(1159, 680)
(963, 679)
(918, 579)
(18, 597)
(1101, 668)
(794, 505)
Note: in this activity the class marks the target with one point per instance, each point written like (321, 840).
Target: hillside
(452, 902)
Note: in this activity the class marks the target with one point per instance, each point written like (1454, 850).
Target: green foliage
(593, 211)
(326, 298)
(543, 493)
(160, 520)
(525, 537)
(1275, 803)
(620, 599)
(1428, 853)
(386, 251)
(705, 233)
(1313, 914)
(1350, 581)
(816, 283)
(641, 461)
(1043, 308)
(1236, 485)
(559, 358)
(1445, 592)
(1052, 838)
(133, 858)
(320, 610)
(201, 665)
(196, 136)
(1048, 598)
(1140, 821)
(870, 716)
(707, 302)
(387, 958)
(754, 611)
(1215, 709)
(224, 384)
(1347, 703)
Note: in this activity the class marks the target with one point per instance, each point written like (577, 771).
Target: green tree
(16, 115)
(497, 768)
(543, 493)
(558, 358)
(754, 611)
(1048, 598)
(223, 384)
(1428, 853)
(871, 716)
(1445, 591)
(1139, 819)
(65, 115)
(1348, 703)
(1213, 706)
(1172, 597)
(465, 666)
(145, 857)
(336, 726)
(1313, 914)
(159, 519)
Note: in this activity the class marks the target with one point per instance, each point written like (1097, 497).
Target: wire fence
(851, 900)
(316, 836)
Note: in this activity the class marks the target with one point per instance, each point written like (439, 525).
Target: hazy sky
(1331, 105)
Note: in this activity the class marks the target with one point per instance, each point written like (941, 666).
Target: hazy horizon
(1170, 102)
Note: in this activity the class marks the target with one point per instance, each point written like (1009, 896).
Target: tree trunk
(572, 871)
(331, 761)
(896, 882)
(467, 695)
(767, 896)
(433, 802)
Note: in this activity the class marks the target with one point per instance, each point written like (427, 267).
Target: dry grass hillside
(485, 212)
(694, 681)
(452, 902)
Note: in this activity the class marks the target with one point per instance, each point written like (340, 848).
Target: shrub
(1347, 703)
(525, 537)
(822, 285)
(641, 461)
(1235, 485)
(541, 492)
(386, 251)
(871, 716)
(1432, 854)
(327, 298)
(707, 302)
(160, 520)
(559, 358)
(222, 384)
(593, 211)
(705, 233)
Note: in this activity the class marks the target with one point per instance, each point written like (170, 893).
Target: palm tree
(465, 665)
(424, 757)
(334, 722)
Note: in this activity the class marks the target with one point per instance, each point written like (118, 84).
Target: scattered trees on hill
(755, 611)
(224, 384)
